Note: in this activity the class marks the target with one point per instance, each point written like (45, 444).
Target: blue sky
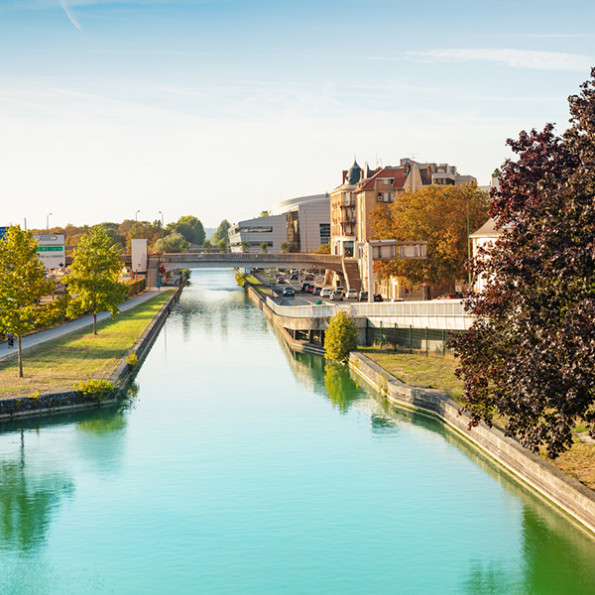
(221, 108)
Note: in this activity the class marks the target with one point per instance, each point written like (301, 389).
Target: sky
(220, 108)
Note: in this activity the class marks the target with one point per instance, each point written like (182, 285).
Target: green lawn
(431, 372)
(57, 364)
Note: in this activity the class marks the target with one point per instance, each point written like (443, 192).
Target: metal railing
(448, 314)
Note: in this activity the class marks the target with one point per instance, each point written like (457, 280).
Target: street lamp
(47, 222)
(136, 215)
(162, 226)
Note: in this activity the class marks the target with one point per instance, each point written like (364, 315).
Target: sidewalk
(75, 325)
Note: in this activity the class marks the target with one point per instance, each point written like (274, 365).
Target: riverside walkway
(70, 327)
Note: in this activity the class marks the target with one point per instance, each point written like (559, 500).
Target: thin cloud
(70, 15)
(508, 57)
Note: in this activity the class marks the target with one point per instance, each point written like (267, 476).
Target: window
(256, 229)
(325, 233)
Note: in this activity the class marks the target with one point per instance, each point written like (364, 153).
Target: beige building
(361, 190)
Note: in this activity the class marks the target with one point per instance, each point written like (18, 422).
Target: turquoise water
(238, 467)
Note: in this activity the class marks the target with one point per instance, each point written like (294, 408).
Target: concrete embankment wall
(278, 321)
(567, 493)
(60, 402)
(564, 491)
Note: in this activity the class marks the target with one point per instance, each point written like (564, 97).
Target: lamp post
(162, 226)
(47, 222)
(136, 216)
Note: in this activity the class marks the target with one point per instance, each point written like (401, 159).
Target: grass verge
(57, 364)
(259, 286)
(430, 372)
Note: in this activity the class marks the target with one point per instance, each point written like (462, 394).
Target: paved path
(69, 327)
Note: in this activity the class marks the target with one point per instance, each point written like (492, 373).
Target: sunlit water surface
(241, 468)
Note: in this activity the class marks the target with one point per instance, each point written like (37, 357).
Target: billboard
(139, 255)
(51, 250)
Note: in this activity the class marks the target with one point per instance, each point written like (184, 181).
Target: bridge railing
(251, 259)
(446, 315)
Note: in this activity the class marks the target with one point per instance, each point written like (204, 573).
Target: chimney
(344, 176)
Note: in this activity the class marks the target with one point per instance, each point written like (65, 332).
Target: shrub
(341, 337)
(132, 359)
(94, 389)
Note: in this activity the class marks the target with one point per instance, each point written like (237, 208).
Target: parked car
(378, 297)
(363, 296)
(325, 292)
(281, 281)
(351, 294)
(317, 290)
(307, 287)
(337, 295)
(288, 292)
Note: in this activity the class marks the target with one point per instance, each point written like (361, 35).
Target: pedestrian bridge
(346, 268)
(241, 260)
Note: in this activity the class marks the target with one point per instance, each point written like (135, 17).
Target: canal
(239, 467)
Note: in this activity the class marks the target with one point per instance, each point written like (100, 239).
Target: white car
(351, 294)
(325, 292)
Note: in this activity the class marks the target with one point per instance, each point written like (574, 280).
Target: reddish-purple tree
(530, 355)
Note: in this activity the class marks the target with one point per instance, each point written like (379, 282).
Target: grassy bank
(432, 372)
(437, 373)
(57, 364)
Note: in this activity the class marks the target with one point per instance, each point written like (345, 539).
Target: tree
(340, 337)
(284, 247)
(221, 233)
(144, 230)
(22, 283)
(323, 249)
(222, 245)
(93, 278)
(190, 228)
(437, 215)
(264, 247)
(530, 354)
(172, 243)
(264, 214)
(245, 247)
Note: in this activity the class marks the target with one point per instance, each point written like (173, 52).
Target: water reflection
(341, 388)
(28, 500)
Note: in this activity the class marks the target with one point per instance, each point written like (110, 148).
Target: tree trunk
(94, 323)
(20, 356)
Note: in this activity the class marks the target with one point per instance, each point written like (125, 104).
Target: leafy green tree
(264, 247)
(284, 247)
(263, 214)
(172, 243)
(93, 278)
(190, 228)
(144, 230)
(207, 245)
(22, 283)
(340, 337)
(245, 247)
(438, 215)
(221, 233)
(222, 245)
(530, 354)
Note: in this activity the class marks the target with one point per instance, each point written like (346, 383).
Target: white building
(302, 222)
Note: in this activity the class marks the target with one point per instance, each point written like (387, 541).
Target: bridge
(346, 268)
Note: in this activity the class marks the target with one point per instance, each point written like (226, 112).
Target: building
(251, 234)
(343, 210)
(308, 221)
(361, 190)
(303, 223)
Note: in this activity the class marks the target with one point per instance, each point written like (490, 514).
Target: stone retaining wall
(52, 403)
(564, 491)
